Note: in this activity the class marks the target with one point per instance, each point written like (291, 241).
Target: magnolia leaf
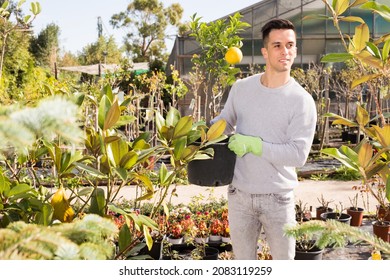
(365, 154)
(112, 116)
(383, 10)
(374, 169)
(340, 6)
(362, 116)
(361, 37)
(318, 16)
(216, 130)
(122, 173)
(173, 116)
(104, 107)
(383, 134)
(364, 79)
(352, 19)
(128, 160)
(336, 57)
(180, 145)
(148, 238)
(182, 127)
(189, 152)
(367, 58)
(125, 237)
(333, 152)
(374, 50)
(358, 3)
(388, 188)
(386, 50)
(160, 121)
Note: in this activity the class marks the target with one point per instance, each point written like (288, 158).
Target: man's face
(280, 51)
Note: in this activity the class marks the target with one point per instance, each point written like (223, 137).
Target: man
(274, 121)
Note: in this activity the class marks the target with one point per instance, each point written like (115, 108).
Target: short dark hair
(275, 24)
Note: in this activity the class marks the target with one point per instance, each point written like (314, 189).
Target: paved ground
(308, 192)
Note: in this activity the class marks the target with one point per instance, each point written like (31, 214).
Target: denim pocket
(284, 198)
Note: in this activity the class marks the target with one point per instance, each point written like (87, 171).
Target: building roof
(104, 68)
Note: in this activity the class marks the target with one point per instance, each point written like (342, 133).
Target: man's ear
(264, 52)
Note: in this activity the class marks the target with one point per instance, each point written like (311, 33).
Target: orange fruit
(233, 55)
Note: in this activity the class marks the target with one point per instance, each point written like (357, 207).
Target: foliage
(214, 39)
(333, 233)
(22, 23)
(104, 50)
(146, 23)
(45, 46)
(88, 238)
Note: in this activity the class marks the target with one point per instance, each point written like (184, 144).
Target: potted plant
(302, 213)
(216, 229)
(337, 215)
(324, 206)
(355, 212)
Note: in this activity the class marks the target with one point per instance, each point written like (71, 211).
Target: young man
(274, 121)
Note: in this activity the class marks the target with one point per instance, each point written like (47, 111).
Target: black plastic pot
(343, 217)
(217, 171)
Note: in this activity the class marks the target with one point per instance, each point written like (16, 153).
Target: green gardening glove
(243, 144)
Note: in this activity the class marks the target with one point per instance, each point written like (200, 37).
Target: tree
(147, 22)
(21, 24)
(102, 51)
(44, 47)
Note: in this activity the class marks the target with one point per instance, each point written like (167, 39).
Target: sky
(77, 19)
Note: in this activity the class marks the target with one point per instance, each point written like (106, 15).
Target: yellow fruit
(62, 209)
(233, 55)
(376, 255)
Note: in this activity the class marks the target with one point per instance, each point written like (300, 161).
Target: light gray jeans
(248, 213)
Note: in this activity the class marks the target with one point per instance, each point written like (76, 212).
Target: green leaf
(352, 19)
(98, 202)
(386, 50)
(336, 57)
(90, 170)
(388, 188)
(182, 127)
(374, 50)
(124, 237)
(104, 107)
(180, 145)
(128, 160)
(173, 116)
(364, 79)
(19, 189)
(333, 152)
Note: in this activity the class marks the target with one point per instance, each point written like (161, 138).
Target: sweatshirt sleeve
(295, 151)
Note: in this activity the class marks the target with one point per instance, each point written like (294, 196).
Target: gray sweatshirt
(285, 118)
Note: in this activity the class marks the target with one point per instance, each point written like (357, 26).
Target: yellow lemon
(233, 55)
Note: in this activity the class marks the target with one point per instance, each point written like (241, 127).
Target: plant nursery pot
(343, 218)
(320, 210)
(155, 251)
(382, 230)
(211, 253)
(217, 171)
(313, 254)
(356, 216)
(381, 213)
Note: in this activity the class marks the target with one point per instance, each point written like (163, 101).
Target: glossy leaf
(361, 37)
(383, 134)
(362, 116)
(216, 130)
(365, 154)
(386, 50)
(341, 6)
(104, 107)
(173, 116)
(388, 188)
(336, 57)
(383, 10)
(352, 19)
(128, 160)
(341, 120)
(335, 153)
(112, 116)
(374, 50)
(98, 202)
(180, 145)
(183, 126)
(364, 79)
(160, 121)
